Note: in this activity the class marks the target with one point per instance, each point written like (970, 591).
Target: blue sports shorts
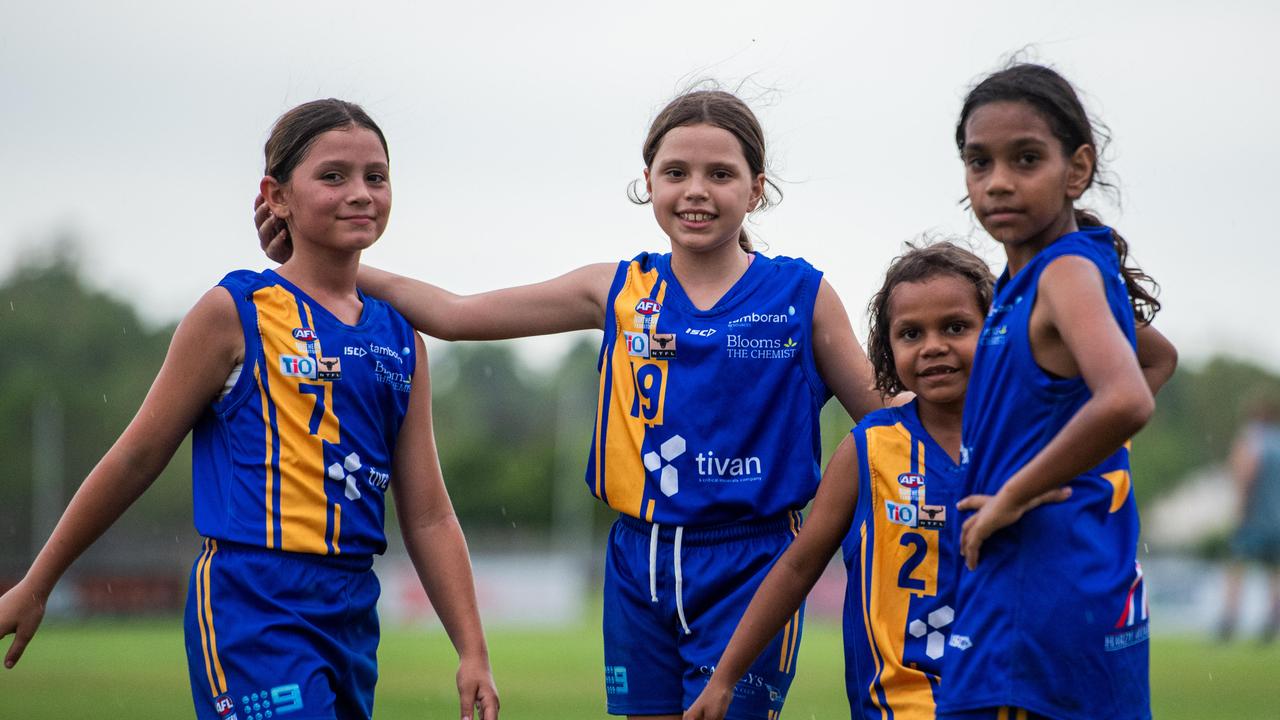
(274, 635)
(995, 713)
(672, 599)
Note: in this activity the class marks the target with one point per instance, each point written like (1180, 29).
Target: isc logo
(900, 513)
(648, 306)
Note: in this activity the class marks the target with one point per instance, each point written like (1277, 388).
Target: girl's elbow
(1137, 410)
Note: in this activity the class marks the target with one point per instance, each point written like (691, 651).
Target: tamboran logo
(900, 514)
(637, 344)
(304, 334)
(298, 366)
(648, 306)
(754, 318)
(384, 351)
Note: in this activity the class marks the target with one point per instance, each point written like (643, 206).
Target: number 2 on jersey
(919, 549)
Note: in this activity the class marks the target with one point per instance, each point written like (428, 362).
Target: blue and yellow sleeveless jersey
(901, 555)
(1054, 618)
(297, 456)
(708, 416)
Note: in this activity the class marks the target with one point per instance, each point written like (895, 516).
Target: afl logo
(911, 480)
(304, 334)
(648, 306)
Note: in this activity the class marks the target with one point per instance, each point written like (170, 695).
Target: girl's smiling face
(933, 331)
(702, 187)
(1021, 182)
(339, 195)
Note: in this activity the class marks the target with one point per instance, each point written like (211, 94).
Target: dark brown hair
(295, 131)
(917, 264)
(1050, 95)
(719, 109)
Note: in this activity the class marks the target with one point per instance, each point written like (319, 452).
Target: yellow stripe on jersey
(623, 469)
(303, 509)
(866, 619)
(1120, 482)
(337, 525)
(888, 456)
(268, 461)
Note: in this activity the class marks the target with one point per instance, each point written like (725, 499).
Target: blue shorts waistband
(352, 563)
(787, 522)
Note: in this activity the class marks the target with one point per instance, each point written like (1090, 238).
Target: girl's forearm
(1102, 425)
(115, 483)
(439, 554)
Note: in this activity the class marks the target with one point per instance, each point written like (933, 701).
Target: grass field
(137, 670)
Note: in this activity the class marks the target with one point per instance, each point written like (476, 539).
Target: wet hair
(721, 109)
(1050, 95)
(295, 131)
(917, 264)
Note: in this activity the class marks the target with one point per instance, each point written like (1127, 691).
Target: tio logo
(901, 513)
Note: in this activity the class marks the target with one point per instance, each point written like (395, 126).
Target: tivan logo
(669, 477)
(931, 628)
(648, 306)
(721, 468)
(304, 334)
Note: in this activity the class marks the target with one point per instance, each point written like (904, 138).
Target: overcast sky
(515, 128)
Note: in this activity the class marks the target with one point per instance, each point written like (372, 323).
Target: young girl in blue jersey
(1051, 617)
(308, 400)
(895, 480)
(715, 363)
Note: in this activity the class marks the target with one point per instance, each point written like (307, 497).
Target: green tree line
(513, 438)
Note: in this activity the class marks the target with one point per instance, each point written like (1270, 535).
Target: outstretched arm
(437, 548)
(1075, 304)
(841, 362)
(205, 347)
(787, 584)
(573, 301)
